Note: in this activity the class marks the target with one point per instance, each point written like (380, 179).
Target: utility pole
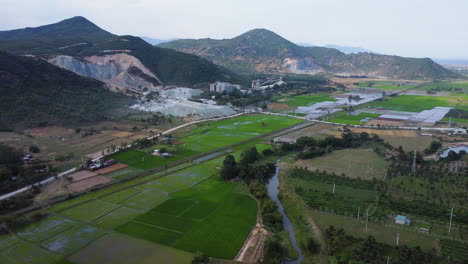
(397, 239)
(367, 217)
(388, 260)
(451, 216)
(333, 188)
(385, 177)
(358, 211)
(413, 168)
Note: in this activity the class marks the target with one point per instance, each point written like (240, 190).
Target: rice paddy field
(349, 119)
(161, 218)
(306, 100)
(386, 85)
(418, 103)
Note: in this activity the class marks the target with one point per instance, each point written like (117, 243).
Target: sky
(411, 28)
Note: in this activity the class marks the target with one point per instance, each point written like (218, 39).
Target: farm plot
(306, 100)
(357, 228)
(418, 103)
(146, 199)
(386, 85)
(46, 228)
(454, 249)
(117, 217)
(122, 173)
(359, 119)
(354, 163)
(410, 140)
(210, 136)
(208, 217)
(73, 239)
(28, 253)
(118, 249)
(89, 211)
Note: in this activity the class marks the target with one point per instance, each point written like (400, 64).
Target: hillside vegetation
(79, 37)
(263, 51)
(36, 93)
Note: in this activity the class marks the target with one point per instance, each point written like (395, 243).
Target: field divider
(63, 198)
(120, 206)
(150, 225)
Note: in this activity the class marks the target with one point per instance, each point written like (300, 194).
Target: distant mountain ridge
(263, 51)
(344, 49)
(156, 41)
(83, 41)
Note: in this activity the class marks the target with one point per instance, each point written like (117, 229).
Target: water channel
(273, 191)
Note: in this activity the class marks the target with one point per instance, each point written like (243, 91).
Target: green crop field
(455, 120)
(417, 103)
(117, 248)
(386, 85)
(73, 239)
(90, 211)
(306, 100)
(354, 163)
(445, 86)
(208, 217)
(186, 206)
(209, 136)
(354, 119)
(454, 249)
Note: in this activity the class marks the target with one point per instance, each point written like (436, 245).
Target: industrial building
(220, 87)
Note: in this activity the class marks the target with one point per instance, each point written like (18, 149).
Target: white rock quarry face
(183, 108)
(180, 93)
(112, 69)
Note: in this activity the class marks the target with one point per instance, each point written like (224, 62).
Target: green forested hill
(79, 37)
(263, 51)
(35, 92)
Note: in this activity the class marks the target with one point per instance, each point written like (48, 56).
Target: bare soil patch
(383, 122)
(279, 106)
(88, 183)
(81, 175)
(111, 168)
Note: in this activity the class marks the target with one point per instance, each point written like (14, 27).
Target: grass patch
(306, 100)
(382, 234)
(138, 159)
(121, 196)
(385, 85)
(359, 119)
(354, 163)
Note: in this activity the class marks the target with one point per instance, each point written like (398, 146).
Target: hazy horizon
(431, 28)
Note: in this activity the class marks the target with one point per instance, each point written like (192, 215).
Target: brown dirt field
(377, 121)
(81, 175)
(320, 128)
(252, 250)
(111, 168)
(88, 183)
(279, 106)
(122, 134)
(50, 131)
(52, 189)
(137, 136)
(383, 132)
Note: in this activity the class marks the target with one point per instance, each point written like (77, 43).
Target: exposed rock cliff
(118, 70)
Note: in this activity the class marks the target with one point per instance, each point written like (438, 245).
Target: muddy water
(273, 191)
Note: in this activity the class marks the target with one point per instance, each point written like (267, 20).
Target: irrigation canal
(273, 191)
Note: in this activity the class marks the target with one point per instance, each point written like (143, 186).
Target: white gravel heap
(174, 102)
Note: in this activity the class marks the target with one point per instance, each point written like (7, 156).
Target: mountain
(344, 49)
(124, 62)
(263, 51)
(36, 93)
(155, 41)
(349, 49)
